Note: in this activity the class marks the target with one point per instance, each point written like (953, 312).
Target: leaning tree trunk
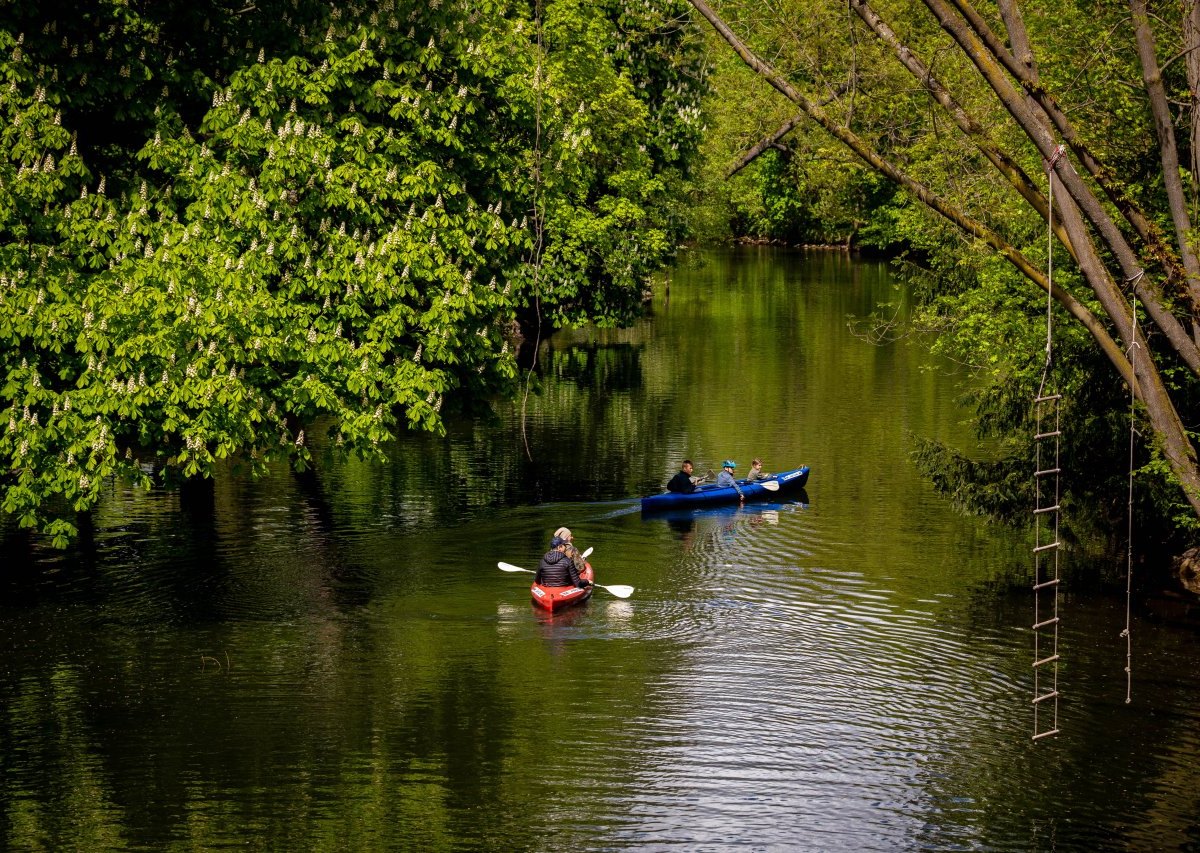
(1164, 125)
(991, 61)
(1191, 48)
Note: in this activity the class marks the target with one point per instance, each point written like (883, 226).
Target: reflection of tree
(45, 725)
(343, 574)
(359, 719)
(605, 368)
(359, 701)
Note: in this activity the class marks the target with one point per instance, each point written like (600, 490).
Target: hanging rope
(1132, 352)
(1050, 164)
(538, 226)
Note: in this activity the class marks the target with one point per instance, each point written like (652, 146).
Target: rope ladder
(1046, 576)
(1047, 515)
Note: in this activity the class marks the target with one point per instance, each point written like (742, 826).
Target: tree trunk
(1176, 201)
(1143, 373)
(1191, 52)
(1112, 187)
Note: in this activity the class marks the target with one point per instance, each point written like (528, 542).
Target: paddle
(769, 485)
(620, 590)
(509, 567)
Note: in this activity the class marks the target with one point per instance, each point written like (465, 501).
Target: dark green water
(335, 663)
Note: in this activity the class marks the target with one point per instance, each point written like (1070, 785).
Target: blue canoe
(707, 495)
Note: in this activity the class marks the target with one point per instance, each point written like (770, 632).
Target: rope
(1134, 346)
(537, 227)
(1050, 164)
(1044, 582)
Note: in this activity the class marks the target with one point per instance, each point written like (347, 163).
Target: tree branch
(1144, 377)
(1163, 124)
(1004, 164)
(784, 130)
(1146, 230)
(763, 144)
(1115, 304)
(969, 225)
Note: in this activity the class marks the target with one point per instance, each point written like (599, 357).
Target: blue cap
(728, 463)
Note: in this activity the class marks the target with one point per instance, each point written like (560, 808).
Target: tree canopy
(968, 111)
(222, 225)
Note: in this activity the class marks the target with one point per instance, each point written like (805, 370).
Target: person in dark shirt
(683, 481)
(558, 567)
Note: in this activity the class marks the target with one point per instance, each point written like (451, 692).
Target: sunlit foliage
(220, 226)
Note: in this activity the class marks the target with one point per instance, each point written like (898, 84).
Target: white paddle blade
(588, 553)
(770, 485)
(509, 567)
(620, 590)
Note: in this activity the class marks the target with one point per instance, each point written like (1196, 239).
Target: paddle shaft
(620, 590)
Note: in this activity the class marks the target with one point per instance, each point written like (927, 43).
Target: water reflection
(846, 673)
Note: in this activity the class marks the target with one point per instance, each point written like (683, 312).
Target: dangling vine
(538, 226)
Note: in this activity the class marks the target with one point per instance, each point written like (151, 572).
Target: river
(334, 662)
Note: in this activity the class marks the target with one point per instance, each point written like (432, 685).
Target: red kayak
(554, 598)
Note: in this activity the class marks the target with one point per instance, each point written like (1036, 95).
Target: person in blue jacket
(725, 478)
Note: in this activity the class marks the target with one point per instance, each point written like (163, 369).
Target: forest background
(226, 224)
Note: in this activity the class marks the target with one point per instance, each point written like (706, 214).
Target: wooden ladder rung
(1045, 661)
(1042, 435)
(1045, 734)
(1047, 398)
(1047, 472)
(1044, 584)
(1040, 548)
(1045, 509)
(1045, 622)
(1051, 695)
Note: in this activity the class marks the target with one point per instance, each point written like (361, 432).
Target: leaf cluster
(220, 228)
